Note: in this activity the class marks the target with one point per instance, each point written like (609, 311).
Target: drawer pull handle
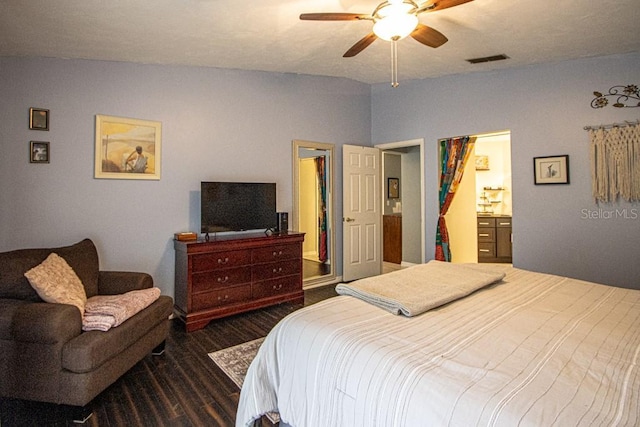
(505, 223)
(226, 297)
(483, 234)
(277, 270)
(279, 253)
(483, 223)
(223, 261)
(221, 280)
(277, 288)
(485, 250)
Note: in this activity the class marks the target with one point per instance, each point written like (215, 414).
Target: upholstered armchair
(45, 355)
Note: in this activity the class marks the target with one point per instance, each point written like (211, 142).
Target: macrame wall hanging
(615, 162)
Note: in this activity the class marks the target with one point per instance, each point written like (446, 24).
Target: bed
(530, 349)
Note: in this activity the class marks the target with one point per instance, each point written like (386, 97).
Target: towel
(423, 287)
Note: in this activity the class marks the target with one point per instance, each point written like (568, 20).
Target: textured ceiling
(267, 35)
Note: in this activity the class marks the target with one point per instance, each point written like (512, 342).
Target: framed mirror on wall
(313, 209)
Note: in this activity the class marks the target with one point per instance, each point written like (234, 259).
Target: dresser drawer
(503, 222)
(275, 253)
(275, 269)
(486, 250)
(486, 234)
(220, 278)
(221, 297)
(486, 222)
(213, 261)
(283, 285)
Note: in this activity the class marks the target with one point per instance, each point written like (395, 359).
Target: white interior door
(362, 217)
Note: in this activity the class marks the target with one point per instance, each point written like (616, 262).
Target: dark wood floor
(183, 387)
(312, 268)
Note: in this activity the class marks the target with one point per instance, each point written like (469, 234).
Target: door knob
(349, 219)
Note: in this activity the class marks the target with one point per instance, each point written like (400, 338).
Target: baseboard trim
(333, 281)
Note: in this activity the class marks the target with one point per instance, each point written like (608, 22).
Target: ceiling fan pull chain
(394, 63)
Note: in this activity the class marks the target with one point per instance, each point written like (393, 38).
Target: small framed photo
(38, 119)
(39, 152)
(482, 163)
(551, 170)
(393, 188)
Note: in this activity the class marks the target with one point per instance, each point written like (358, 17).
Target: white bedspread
(533, 350)
(420, 288)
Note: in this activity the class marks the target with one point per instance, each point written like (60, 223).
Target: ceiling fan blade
(433, 5)
(428, 36)
(334, 16)
(360, 45)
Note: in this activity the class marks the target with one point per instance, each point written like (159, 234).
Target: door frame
(479, 137)
(296, 145)
(412, 143)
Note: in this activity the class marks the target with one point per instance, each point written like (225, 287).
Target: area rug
(234, 362)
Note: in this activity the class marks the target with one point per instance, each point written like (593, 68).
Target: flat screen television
(237, 206)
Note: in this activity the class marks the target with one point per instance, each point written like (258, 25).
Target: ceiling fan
(393, 20)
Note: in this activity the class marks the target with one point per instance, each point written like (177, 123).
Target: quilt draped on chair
(454, 154)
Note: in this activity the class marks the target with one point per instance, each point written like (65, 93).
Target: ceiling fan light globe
(395, 26)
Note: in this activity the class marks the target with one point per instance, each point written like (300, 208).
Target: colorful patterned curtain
(322, 207)
(454, 153)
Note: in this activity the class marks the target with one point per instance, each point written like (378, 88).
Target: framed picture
(551, 170)
(393, 188)
(127, 148)
(482, 163)
(39, 152)
(38, 119)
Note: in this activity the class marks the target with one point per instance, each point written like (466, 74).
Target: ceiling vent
(488, 59)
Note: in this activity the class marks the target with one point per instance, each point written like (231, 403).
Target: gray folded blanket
(420, 288)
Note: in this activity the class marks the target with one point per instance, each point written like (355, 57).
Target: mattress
(532, 350)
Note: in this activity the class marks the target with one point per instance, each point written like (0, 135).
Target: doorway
(313, 209)
(406, 207)
(479, 220)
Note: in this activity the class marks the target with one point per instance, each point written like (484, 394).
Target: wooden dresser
(494, 238)
(233, 274)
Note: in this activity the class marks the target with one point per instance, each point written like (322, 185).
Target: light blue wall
(392, 169)
(230, 124)
(411, 210)
(546, 108)
(216, 124)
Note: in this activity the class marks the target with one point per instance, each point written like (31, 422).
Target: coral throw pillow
(55, 281)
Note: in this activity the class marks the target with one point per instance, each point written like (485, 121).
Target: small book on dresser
(185, 236)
